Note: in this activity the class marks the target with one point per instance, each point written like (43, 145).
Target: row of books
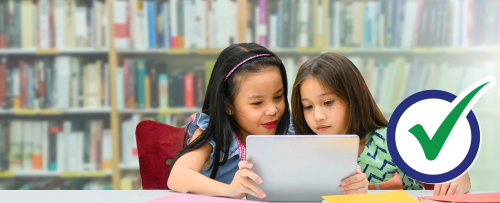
(70, 145)
(53, 24)
(414, 23)
(62, 82)
(300, 23)
(391, 81)
(55, 184)
(144, 84)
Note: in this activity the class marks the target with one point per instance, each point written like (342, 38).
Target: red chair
(157, 144)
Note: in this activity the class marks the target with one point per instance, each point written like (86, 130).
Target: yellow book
(100, 88)
(27, 24)
(69, 33)
(399, 196)
(242, 19)
(147, 93)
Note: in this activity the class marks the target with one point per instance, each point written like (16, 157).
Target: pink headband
(256, 56)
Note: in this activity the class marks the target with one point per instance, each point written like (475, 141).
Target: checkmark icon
(432, 147)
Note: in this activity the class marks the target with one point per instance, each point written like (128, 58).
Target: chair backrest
(157, 144)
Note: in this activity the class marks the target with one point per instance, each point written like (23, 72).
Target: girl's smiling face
(324, 112)
(259, 103)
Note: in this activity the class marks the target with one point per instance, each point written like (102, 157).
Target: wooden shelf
(129, 168)
(160, 111)
(314, 50)
(34, 51)
(55, 174)
(33, 112)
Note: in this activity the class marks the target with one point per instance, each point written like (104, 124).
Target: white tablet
(301, 168)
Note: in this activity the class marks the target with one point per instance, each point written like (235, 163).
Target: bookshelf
(316, 33)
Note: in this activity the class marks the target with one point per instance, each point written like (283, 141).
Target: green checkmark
(433, 147)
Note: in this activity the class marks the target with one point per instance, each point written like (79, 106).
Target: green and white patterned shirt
(377, 163)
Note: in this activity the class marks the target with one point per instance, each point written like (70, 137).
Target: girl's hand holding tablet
(242, 184)
(356, 184)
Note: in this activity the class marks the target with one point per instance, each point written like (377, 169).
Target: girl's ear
(229, 111)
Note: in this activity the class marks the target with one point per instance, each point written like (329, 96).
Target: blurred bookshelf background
(77, 76)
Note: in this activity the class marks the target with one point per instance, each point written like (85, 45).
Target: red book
(23, 74)
(3, 78)
(175, 42)
(3, 43)
(189, 91)
(417, 24)
(41, 82)
(52, 26)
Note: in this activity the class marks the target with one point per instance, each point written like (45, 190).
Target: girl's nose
(273, 110)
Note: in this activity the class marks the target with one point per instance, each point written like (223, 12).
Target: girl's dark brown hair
(339, 75)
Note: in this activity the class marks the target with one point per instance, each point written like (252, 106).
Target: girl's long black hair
(220, 93)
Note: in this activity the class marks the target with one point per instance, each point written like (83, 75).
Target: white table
(108, 196)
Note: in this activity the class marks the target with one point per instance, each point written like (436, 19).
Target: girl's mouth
(270, 125)
(323, 127)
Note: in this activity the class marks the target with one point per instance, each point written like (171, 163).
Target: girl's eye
(257, 103)
(328, 103)
(307, 107)
(279, 97)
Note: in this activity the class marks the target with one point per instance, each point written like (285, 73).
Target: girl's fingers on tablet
(444, 188)
(453, 188)
(247, 173)
(353, 179)
(254, 188)
(437, 189)
(245, 164)
(355, 186)
(249, 191)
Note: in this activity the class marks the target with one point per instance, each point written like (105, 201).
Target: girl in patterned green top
(330, 97)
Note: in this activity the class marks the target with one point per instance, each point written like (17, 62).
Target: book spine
(147, 92)
(15, 150)
(172, 91)
(4, 146)
(151, 7)
(153, 79)
(189, 91)
(163, 88)
(132, 72)
(120, 89)
(122, 37)
(3, 80)
(23, 73)
(3, 23)
(41, 84)
(199, 87)
(141, 74)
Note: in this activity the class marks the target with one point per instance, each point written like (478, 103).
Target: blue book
(166, 29)
(141, 74)
(367, 33)
(151, 11)
(278, 34)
